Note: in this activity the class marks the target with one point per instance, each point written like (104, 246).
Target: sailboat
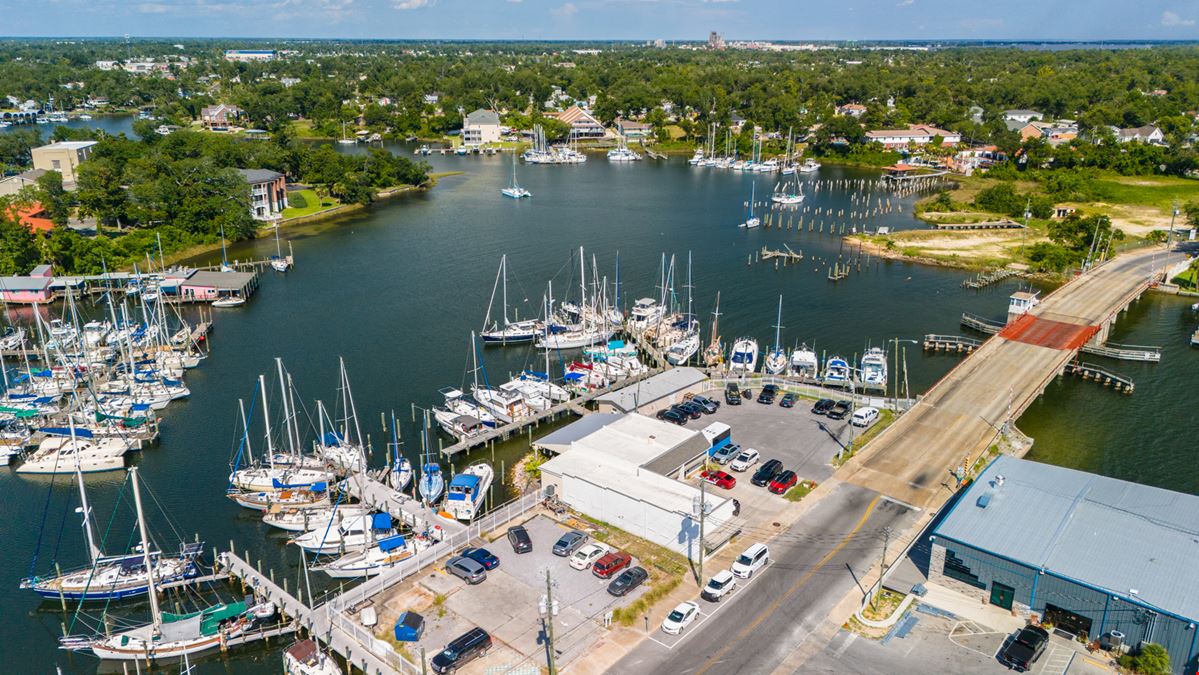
(225, 267)
(714, 352)
(275, 474)
(684, 348)
(751, 221)
(342, 447)
(399, 474)
(278, 262)
(306, 657)
(431, 482)
(511, 332)
(343, 140)
(515, 191)
(776, 360)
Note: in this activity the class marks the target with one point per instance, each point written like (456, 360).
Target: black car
(823, 405)
(789, 400)
(627, 581)
(767, 394)
(1025, 648)
(518, 536)
(732, 394)
(466, 648)
(672, 415)
(692, 410)
(839, 410)
(709, 406)
(482, 556)
(766, 473)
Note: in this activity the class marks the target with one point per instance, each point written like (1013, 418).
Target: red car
(610, 564)
(783, 482)
(720, 479)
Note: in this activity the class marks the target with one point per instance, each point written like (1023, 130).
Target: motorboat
(804, 363)
(744, 356)
(873, 371)
(645, 312)
(229, 301)
(351, 534)
(622, 154)
(809, 166)
(837, 371)
(467, 490)
(460, 426)
(306, 657)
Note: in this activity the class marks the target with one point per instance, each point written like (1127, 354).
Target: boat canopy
(279, 485)
(331, 438)
(391, 543)
(463, 483)
(19, 412)
(381, 521)
(65, 431)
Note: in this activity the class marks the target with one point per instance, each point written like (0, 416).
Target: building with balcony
(268, 192)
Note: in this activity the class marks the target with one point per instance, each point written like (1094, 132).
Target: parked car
(839, 410)
(822, 406)
(692, 410)
(751, 560)
(466, 648)
(679, 618)
(789, 400)
(745, 459)
(721, 584)
(627, 581)
(569, 543)
(583, 557)
(720, 479)
(768, 394)
(482, 556)
(1026, 647)
(466, 569)
(518, 536)
(706, 403)
(732, 394)
(864, 417)
(783, 482)
(725, 453)
(767, 472)
(610, 564)
(672, 415)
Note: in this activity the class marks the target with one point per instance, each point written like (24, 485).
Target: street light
(896, 341)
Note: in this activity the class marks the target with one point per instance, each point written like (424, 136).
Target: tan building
(63, 157)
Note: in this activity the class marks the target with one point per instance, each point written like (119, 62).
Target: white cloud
(905, 3)
(1171, 19)
(566, 11)
(410, 4)
(153, 8)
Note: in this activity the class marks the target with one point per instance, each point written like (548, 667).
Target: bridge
(955, 423)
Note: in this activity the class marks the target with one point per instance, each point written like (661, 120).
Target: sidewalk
(972, 609)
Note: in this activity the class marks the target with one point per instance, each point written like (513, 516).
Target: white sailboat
(515, 191)
(776, 359)
(351, 534)
(751, 221)
(306, 657)
(305, 520)
(275, 475)
(399, 473)
(278, 262)
(431, 483)
(510, 332)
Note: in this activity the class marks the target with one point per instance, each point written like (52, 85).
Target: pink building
(28, 289)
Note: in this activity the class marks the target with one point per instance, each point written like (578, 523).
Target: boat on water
(787, 194)
(311, 496)
(837, 371)
(279, 262)
(304, 520)
(306, 657)
(514, 190)
(344, 140)
(775, 362)
(467, 490)
(809, 166)
(744, 357)
(873, 370)
(507, 332)
(751, 221)
(681, 352)
(351, 534)
(698, 158)
(229, 301)
(804, 363)
(70, 450)
(381, 555)
(714, 352)
(623, 154)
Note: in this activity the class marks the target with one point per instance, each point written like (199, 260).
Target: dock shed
(653, 393)
(205, 286)
(1093, 555)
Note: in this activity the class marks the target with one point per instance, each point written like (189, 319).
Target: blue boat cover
(615, 344)
(275, 483)
(171, 383)
(331, 438)
(65, 431)
(381, 521)
(535, 374)
(320, 486)
(391, 543)
(570, 377)
(140, 407)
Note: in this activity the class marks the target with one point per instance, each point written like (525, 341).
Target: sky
(794, 20)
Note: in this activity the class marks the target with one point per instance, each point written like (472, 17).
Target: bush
(1001, 198)
(296, 200)
(626, 615)
(1152, 659)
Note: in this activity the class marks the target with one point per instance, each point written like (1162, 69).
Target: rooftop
(1133, 541)
(481, 116)
(651, 389)
(222, 281)
(68, 145)
(255, 176)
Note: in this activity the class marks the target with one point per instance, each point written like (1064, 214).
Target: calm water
(397, 288)
(113, 124)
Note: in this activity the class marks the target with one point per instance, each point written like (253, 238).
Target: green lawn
(312, 203)
(1159, 191)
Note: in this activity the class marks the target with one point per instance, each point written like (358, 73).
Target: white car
(746, 459)
(864, 417)
(583, 557)
(753, 559)
(679, 618)
(721, 584)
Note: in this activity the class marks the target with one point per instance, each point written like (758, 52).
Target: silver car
(570, 542)
(466, 569)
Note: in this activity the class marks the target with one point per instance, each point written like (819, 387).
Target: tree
(54, 199)
(18, 246)
(1191, 209)
(1152, 659)
(101, 193)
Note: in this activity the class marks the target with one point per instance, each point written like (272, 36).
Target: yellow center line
(799, 583)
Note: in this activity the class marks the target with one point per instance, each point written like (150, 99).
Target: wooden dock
(1090, 371)
(787, 256)
(934, 342)
(984, 279)
(1005, 224)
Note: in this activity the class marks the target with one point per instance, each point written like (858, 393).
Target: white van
(864, 417)
(751, 560)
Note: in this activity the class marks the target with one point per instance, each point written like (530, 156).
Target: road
(769, 616)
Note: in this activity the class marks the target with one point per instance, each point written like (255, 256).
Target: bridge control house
(1114, 560)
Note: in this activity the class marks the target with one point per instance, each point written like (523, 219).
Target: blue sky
(608, 19)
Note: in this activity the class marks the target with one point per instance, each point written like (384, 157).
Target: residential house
(480, 127)
(917, 134)
(219, 117)
(1016, 119)
(32, 217)
(736, 123)
(289, 81)
(1055, 133)
(63, 157)
(11, 185)
(27, 290)
(631, 129)
(851, 110)
(268, 192)
(1147, 134)
(976, 114)
(582, 124)
(107, 65)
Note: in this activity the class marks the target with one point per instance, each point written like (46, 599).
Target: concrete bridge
(962, 415)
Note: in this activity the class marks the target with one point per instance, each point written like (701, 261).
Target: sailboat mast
(504, 267)
(266, 421)
(286, 411)
(352, 410)
(141, 526)
(245, 431)
(93, 551)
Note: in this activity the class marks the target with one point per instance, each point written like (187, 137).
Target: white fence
(813, 390)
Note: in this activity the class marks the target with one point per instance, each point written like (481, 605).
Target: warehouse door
(1075, 624)
(1002, 595)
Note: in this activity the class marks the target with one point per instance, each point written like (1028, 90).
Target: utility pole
(882, 570)
(1170, 235)
(549, 624)
(703, 510)
(1027, 215)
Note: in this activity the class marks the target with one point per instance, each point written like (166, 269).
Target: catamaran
(515, 191)
(874, 368)
(776, 360)
(464, 497)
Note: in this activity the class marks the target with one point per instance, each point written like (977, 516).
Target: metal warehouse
(1110, 559)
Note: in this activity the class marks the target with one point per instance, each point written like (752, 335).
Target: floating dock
(950, 343)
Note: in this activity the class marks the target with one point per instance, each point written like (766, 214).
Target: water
(111, 124)
(397, 288)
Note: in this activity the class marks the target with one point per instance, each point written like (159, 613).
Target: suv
(725, 453)
(1026, 647)
(839, 410)
(721, 584)
(706, 403)
(732, 394)
(518, 536)
(822, 406)
(751, 560)
(767, 394)
(466, 569)
(610, 564)
(672, 415)
(766, 473)
(744, 460)
(466, 648)
(783, 482)
(569, 543)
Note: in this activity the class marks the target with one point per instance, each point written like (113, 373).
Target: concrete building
(624, 473)
(632, 129)
(480, 127)
(220, 117)
(63, 157)
(268, 192)
(11, 185)
(917, 134)
(582, 124)
(1109, 558)
(246, 55)
(654, 393)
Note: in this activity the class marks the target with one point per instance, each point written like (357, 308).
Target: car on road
(864, 417)
(767, 472)
(583, 557)
(721, 584)
(465, 648)
(751, 560)
(518, 536)
(822, 406)
(610, 564)
(839, 410)
(768, 394)
(706, 403)
(466, 569)
(680, 617)
(789, 400)
(732, 394)
(482, 556)
(720, 479)
(783, 482)
(745, 459)
(673, 416)
(1025, 648)
(569, 543)
(725, 453)
(627, 581)
(692, 410)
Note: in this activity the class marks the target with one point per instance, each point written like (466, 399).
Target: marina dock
(950, 343)
(1005, 224)
(787, 256)
(984, 279)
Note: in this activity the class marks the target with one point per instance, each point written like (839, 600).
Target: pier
(787, 256)
(1005, 224)
(950, 343)
(985, 279)
(1089, 371)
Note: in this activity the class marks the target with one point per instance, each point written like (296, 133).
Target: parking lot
(506, 604)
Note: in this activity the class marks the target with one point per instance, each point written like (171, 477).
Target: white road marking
(849, 640)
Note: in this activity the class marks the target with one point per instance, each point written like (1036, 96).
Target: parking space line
(693, 628)
(959, 624)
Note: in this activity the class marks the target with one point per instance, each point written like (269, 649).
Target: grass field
(313, 204)
(1159, 191)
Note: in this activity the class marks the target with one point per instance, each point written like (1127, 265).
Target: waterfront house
(219, 117)
(268, 192)
(26, 290)
(915, 134)
(582, 124)
(736, 123)
(631, 129)
(11, 185)
(480, 127)
(189, 285)
(1146, 134)
(851, 110)
(63, 157)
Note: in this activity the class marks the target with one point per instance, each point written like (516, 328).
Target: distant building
(851, 110)
(1146, 134)
(1022, 116)
(107, 65)
(63, 157)
(246, 55)
(582, 124)
(715, 40)
(32, 217)
(289, 81)
(11, 185)
(631, 129)
(480, 127)
(1055, 133)
(219, 117)
(917, 134)
(268, 192)
(736, 123)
